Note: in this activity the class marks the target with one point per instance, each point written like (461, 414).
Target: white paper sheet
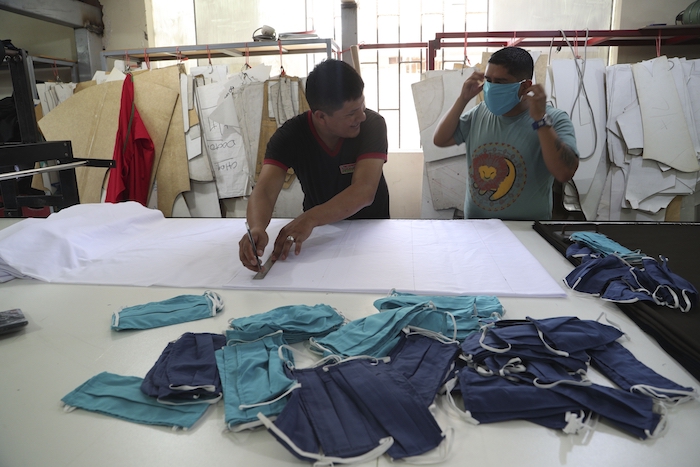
(223, 144)
(432, 98)
(127, 244)
(666, 134)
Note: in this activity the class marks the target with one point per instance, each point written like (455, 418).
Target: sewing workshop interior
(349, 232)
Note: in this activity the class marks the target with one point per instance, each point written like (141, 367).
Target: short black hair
(517, 61)
(331, 84)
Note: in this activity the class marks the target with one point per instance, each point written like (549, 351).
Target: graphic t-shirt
(507, 177)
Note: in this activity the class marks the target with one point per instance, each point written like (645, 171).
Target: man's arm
(560, 159)
(444, 133)
(359, 194)
(259, 212)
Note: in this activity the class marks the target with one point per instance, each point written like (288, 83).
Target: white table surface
(68, 340)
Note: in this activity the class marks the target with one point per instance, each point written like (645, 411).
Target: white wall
(37, 38)
(125, 24)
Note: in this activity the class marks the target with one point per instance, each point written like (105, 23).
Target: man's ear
(527, 84)
(320, 115)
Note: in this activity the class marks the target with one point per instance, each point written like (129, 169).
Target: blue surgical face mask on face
(501, 98)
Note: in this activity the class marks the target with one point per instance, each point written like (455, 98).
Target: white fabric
(127, 244)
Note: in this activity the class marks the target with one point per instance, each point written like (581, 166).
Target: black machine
(18, 159)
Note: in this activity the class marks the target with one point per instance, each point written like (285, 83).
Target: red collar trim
(331, 152)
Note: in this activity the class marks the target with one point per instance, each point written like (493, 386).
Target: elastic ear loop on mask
(609, 321)
(488, 347)
(684, 292)
(321, 460)
(115, 318)
(575, 423)
(676, 303)
(240, 341)
(663, 421)
(572, 382)
(217, 303)
(374, 360)
(315, 347)
(665, 395)
(292, 387)
(685, 309)
(561, 353)
(291, 364)
(514, 365)
(434, 334)
(451, 407)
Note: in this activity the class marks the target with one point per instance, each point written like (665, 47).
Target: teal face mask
(501, 98)
(180, 309)
(121, 397)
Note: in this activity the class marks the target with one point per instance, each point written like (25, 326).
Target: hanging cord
(466, 57)
(146, 59)
(282, 72)
(54, 68)
(247, 57)
(658, 44)
(126, 61)
(581, 87)
(211, 67)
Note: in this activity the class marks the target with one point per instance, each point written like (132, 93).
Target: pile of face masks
(535, 370)
(373, 382)
(620, 275)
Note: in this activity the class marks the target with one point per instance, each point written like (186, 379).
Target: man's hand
(444, 133)
(294, 233)
(536, 100)
(472, 86)
(245, 249)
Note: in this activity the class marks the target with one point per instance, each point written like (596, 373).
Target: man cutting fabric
(337, 149)
(516, 144)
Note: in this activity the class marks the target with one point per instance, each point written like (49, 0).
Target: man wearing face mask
(516, 144)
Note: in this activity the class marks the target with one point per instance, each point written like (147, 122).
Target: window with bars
(389, 73)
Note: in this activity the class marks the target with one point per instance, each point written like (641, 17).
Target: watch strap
(544, 121)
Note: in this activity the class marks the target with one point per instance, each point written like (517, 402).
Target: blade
(265, 269)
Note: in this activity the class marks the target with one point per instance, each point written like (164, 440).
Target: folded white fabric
(119, 244)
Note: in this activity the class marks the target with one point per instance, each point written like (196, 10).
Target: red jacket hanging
(130, 179)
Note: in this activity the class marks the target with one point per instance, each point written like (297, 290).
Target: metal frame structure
(228, 50)
(650, 36)
(59, 152)
(18, 159)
